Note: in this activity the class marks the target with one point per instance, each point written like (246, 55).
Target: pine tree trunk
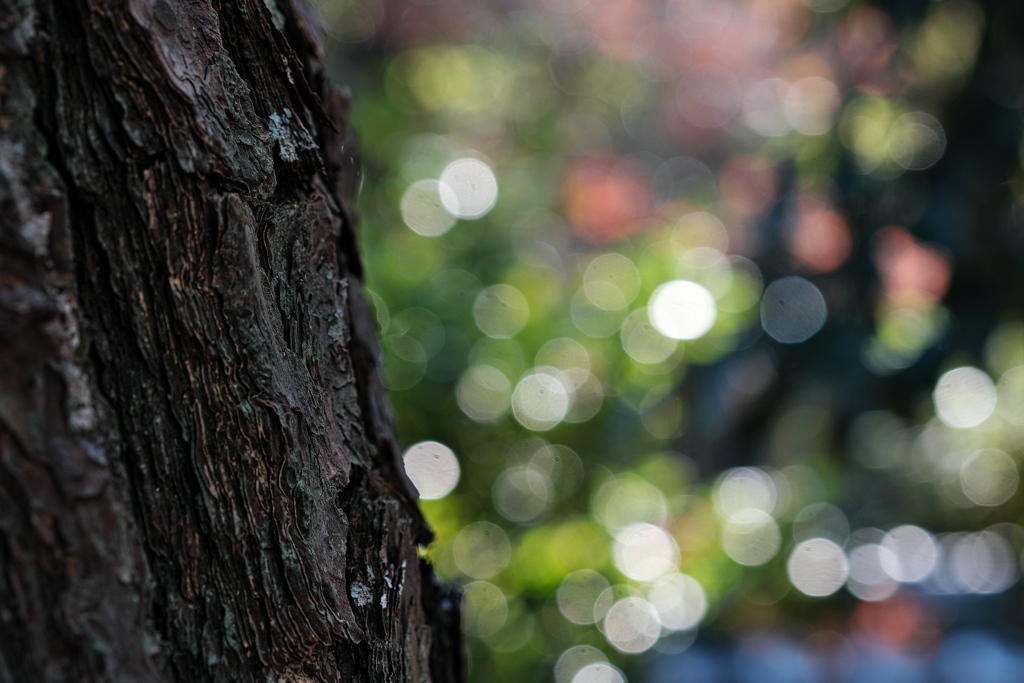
(199, 478)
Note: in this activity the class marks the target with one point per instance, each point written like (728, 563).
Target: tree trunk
(199, 478)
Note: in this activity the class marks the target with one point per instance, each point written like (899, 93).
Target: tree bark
(199, 476)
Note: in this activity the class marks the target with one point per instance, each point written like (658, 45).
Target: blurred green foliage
(837, 182)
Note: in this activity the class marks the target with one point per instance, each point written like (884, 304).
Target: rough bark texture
(199, 478)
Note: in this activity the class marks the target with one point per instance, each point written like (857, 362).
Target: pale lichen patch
(289, 139)
(360, 593)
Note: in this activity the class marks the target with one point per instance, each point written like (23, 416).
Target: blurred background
(702, 320)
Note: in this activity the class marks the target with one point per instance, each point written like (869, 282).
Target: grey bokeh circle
(792, 310)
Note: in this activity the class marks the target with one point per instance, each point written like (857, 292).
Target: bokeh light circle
(609, 597)
(982, 562)
(632, 625)
(817, 567)
(628, 499)
(744, 488)
(433, 469)
(468, 188)
(868, 579)
(564, 353)
(751, 537)
(680, 600)
(481, 550)
(483, 393)
(611, 281)
(916, 141)
(912, 554)
(645, 552)
(521, 494)
(964, 397)
(682, 310)
(811, 105)
(792, 310)
(599, 672)
(575, 659)
(422, 210)
(501, 311)
(989, 477)
(643, 342)
(578, 593)
(484, 609)
(541, 400)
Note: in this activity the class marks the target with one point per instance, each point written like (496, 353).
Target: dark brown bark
(199, 478)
